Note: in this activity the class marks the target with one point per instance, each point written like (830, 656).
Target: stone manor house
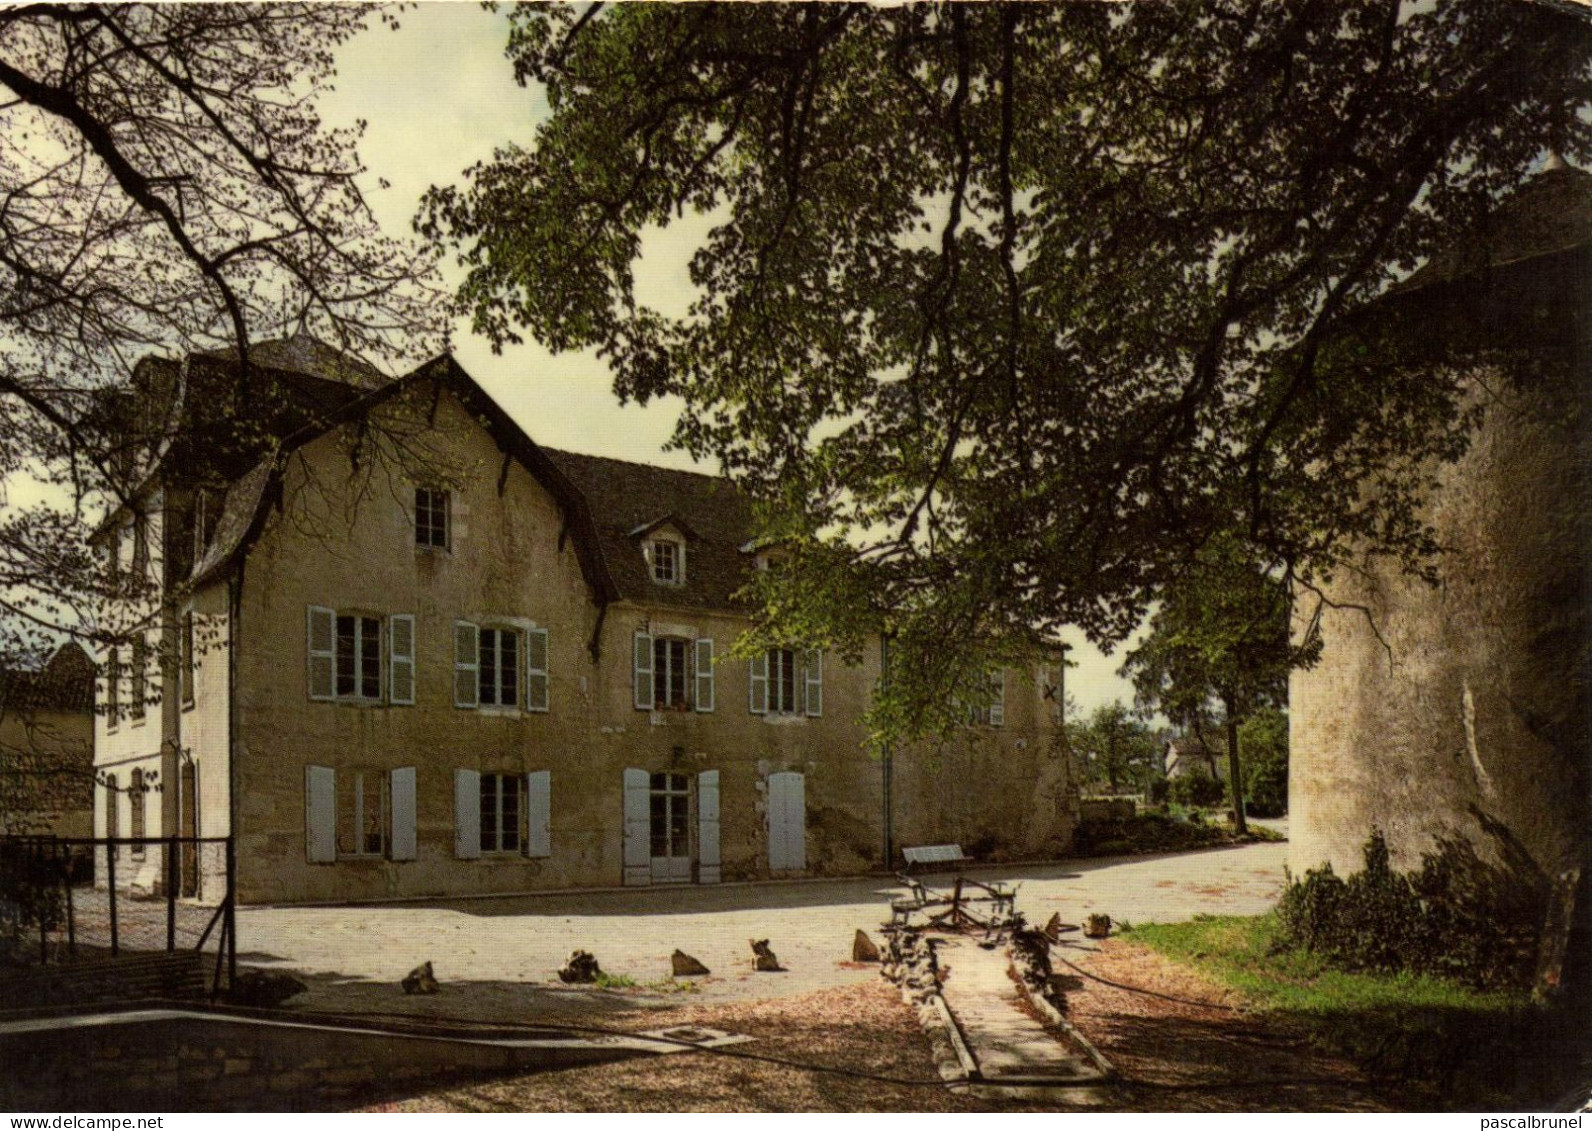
(413, 653)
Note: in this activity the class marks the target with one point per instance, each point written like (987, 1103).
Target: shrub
(1197, 791)
(1268, 789)
(1157, 791)
(1457, 917)
(31, 881)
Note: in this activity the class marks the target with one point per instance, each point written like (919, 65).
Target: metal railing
(77, 920)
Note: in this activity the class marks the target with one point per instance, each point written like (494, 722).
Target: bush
(32, 883)
(1268, 789)
(1157, 791)
(1197, 791)
(1457, 917)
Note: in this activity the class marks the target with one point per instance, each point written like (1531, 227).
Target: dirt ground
(1192, 1054)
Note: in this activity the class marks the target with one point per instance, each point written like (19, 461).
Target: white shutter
(704, 674)
(536, 689)
(320, 814)
(997, 699)
(466, 814)
(787, 822)
(815, 683)
(638, 827)
(403, 813)
(757, 684)
(641, 671)
(321, 633)
(708, 827)
(401, 658)
(466, 664)
(539, 813)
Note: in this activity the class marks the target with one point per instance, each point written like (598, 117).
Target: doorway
(671, 828)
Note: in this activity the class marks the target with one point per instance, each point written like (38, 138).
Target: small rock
(687, 967)
(420, 980)
(580, 967)
(264, 989)
(763, 960)
(863, 948)
(1098, 927)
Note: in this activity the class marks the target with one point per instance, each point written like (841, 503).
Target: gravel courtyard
(497, 958)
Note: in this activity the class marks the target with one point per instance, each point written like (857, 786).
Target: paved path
(497, 957)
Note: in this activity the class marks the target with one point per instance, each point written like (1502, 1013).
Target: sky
(439, 95)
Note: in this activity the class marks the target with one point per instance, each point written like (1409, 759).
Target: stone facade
(569, 783)
(47, 747)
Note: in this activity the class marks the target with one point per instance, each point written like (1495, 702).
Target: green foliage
(1147, 832)
(1474, 1048)
(607, 981)
(1457, 916)
(31, 895)
(984, 382)
(1113, 749)
(1197, 791)
(1263, 737)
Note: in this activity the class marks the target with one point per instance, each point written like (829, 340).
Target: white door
(787, 822)
(671, 828)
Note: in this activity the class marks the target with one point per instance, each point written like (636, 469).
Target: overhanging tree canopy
(1004, 312)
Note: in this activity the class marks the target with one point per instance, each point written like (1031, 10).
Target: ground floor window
(363, 805)
(671, 815)
(501, 796)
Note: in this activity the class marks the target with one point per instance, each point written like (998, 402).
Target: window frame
(779, 673)
(113, 689)
(436, 505)
(497, 826)
(354, 782)
(676, 558)
(185, 661)
(499, 633)
(664, 673)
(138, 677)
(361, 620)
(137, 813)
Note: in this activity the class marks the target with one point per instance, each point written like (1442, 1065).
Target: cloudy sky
(438, 95)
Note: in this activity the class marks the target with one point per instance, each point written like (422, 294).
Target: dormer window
(668, 562)
(431, 518)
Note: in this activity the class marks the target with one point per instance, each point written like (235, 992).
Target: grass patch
(606, 981)
(1477, 1048)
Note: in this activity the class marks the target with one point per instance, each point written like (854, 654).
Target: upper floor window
(783, 681)
(431, 518)
(672, 673)
(490, 663)
(358, 657)
(668, 562)
(345, 656)
(185, 669)
(140, 683)
(500, 667)
(113, 689)
(669, 674)
(990, 708)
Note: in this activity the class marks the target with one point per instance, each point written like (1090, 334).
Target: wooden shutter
(401, 658)
(539, 813)
(466, 664)
(320, 814)
(466, 814)
(704, 674)
(536, 685)
(787, 822)
(402, 791)
(638, 828)
(997, 699)
(815, 683)
(708, 827)
(757, 684)
(321, 633)
(641, 670)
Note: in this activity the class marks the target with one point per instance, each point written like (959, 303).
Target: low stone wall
(1100, 809)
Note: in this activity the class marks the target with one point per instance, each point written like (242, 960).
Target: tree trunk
(1235, 778)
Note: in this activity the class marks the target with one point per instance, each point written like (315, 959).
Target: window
(992, 710)
(113, 813)
(113, 689)
(499, 667)
(670, 819)
(668, 562)
(783, 681)
(431, 518)
(186, 668)
(363, 813)
(206, 509)
(500, 812)
(140, 689)
(135, 802)
(358, 657)
(669, 674)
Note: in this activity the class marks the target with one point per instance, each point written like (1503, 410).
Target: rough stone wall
(1005, 788)
(1476, 710)
(60, 800)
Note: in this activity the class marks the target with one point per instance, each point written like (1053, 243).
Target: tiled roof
(64, 683)
(627, 499)
(307, 355)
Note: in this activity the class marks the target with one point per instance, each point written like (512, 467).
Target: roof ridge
(711, 477)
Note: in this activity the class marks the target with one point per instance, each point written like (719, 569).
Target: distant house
(451, 661)
(1188, 756)
(1465, 711)
(47, 746)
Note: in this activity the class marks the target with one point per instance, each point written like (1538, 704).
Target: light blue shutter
(708, 827)
(539, 813)
(997, 700)
(320, 814)
(704, 674)
(757, 684)
(638, 828)
(536, 679)
(401, 658)
(466, 664)
(321, 630)
(641, 670)
(815, 683)
(467, 814)
(403, 813)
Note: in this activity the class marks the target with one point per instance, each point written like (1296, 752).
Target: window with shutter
(499, 667)
(782, 682)
(140, 674)
(501, 797)
(641, 671)
(757, 684)
(669, 676)
(358, 657)
(704, 674)
(537, 689)
(362, 813)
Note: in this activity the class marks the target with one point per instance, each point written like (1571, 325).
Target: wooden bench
(935, 854)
